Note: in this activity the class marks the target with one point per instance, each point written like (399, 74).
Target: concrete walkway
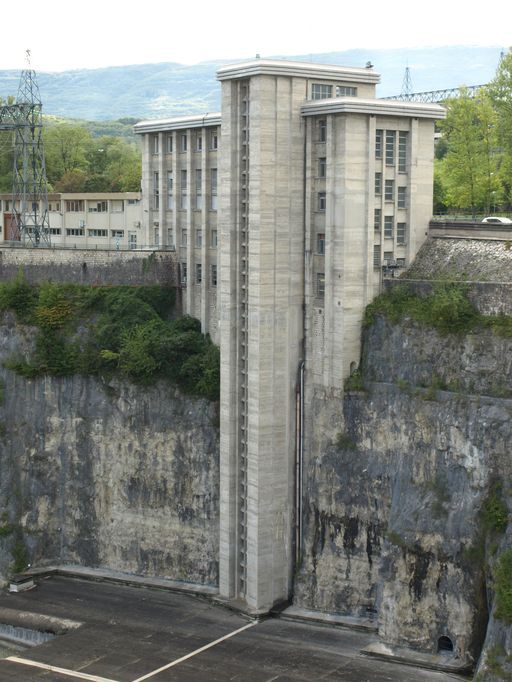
(132, 634)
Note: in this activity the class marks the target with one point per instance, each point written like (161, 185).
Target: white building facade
(319, 186)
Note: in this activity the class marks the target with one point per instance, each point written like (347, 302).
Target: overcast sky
(64, 35)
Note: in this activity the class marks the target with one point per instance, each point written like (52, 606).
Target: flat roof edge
(177, 123)
(356, 105)
(269, 67)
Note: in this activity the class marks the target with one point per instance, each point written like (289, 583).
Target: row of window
(199, 274)
(401, 233)
(389, 191)
(324, 91)
(78, 205)
(183, 142)
(387, 258)
(199, 238)
(387, 139)
(183, 189)
(80, 232)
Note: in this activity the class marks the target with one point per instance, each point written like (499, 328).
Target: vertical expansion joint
(243, 331)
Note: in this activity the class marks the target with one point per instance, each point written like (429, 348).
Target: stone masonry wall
(88, 266)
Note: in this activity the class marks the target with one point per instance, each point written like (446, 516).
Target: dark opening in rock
(444, 644)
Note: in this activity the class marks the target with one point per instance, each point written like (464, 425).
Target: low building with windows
(284, 209)
(110, 220)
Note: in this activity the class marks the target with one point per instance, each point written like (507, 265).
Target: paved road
(130, 634)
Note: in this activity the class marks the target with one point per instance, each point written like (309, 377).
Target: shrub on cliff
(446, 308)
(108, 330)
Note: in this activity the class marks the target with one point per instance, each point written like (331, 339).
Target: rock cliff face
(106, 475)
(399, 522)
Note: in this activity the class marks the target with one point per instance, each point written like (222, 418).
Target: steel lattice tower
(30, 221)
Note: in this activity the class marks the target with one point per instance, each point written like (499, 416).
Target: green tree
(65, 147)
(468, 172)
(499, 92)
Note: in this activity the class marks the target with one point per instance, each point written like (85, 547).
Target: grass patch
(503, 587)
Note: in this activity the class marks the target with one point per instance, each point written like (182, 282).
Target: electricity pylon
(30, 220)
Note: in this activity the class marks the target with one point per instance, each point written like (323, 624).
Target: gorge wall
(106, 474)
(408, 497)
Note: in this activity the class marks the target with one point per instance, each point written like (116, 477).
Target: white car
(497, 220)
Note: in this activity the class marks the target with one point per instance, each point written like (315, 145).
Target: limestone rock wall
(106, 475)
(394, 500)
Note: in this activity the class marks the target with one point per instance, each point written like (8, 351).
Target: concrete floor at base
(128, 632)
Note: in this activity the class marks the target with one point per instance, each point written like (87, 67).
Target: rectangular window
(184, 142)
(132, 202)
(388, 226)
(99, 207)
(378, 144)
(199, 143)
(97, 233)
(214, 141)
(75, 232)
(117, 234)
(55, 230)
(183, 237)
(376, 256)
(214, 275)
(170, 190)
(377, 218)
(199, 238)
(390, 147)
(199, 273)
(321, 201)
(213, 239)
(322, 167)
(403, 137)
(154, 144)
(213, 188)
(378, 184)
(346, 91)
(183, 189)
(74, 206)
(322, 130)
(400, 262)
(401, 200)
(117, 206)
(389, 190)
(321, 91)
(156, 236)
(320, 284)
(401, 233)
(320, 243)
(183, 274)
(388, 257)
(199, 188)
(156, 190)
(169, 143)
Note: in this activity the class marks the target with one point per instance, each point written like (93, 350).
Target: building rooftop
(177, 123)
(277, 67)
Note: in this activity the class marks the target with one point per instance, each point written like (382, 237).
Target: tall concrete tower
(261, 307)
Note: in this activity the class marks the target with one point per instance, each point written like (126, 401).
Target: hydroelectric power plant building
(283, 210)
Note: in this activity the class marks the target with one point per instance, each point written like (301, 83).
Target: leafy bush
(447, 309)
(104, 330)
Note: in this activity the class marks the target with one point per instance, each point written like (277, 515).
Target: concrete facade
(83, 220)
(321, 185)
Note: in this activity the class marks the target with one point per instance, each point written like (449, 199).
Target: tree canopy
(473, 169)
(77, 160)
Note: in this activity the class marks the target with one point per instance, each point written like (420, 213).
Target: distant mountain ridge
(169, 89)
